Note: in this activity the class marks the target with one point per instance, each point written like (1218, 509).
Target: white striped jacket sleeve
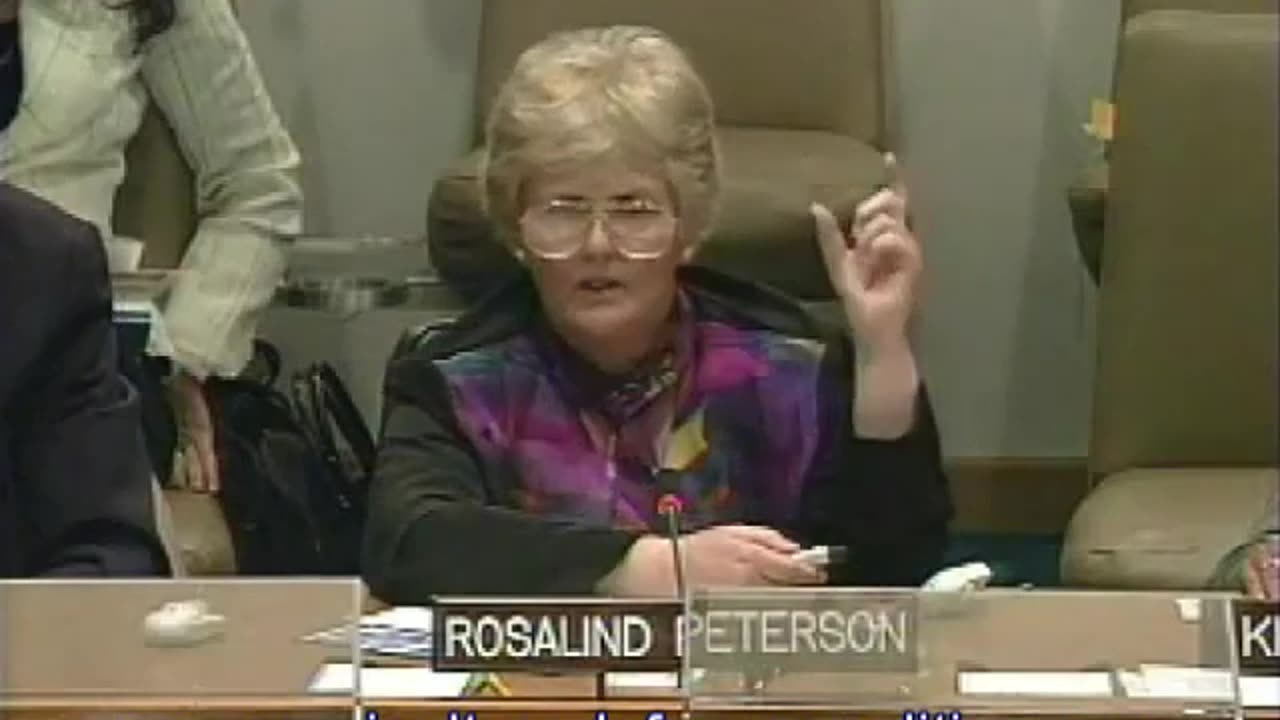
(203, 77)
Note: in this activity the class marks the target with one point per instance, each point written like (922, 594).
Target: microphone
(671, 508)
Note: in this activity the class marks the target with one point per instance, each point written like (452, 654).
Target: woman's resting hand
(723, 556)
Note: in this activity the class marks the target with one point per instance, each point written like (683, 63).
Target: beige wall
(992, 96)
(377, 94)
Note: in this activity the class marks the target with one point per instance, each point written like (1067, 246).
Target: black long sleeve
(435, 529)
(888, 501)
(900, 505)
(82, 480)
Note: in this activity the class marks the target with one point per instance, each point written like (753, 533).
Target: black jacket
(446, 520)
(75, 494)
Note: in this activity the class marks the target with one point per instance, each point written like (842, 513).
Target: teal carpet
(1015, 559)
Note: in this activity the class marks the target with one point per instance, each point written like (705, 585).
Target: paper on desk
(642, 681)
(1260, 692)
(1096, 684)
(145, 311)
(649, 680)
(416, 618)
(1172, 682)
(390, 682)
(401, 632)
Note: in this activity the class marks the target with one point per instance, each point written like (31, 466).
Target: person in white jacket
(85, 71)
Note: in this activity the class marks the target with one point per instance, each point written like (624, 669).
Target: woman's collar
(622, 395)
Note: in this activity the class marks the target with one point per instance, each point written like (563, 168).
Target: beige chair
(156, 204)
(1133, 8)
(1185, 421)
(1088, 196)
(799, 88)
(156, 201)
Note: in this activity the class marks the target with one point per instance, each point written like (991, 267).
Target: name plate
(1257, 636)
(564, 635)
(804, 632)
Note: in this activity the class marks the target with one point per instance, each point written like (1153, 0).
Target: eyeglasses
(638, 229)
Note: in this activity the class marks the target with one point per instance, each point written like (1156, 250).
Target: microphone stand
(670, 507)
(677, 556)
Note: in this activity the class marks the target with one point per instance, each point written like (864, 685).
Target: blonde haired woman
(525, 447)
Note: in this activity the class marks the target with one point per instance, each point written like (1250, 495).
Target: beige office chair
(1134, 8)
(156, 204)
(1185, 396)
(800, 94)
(1089, 207)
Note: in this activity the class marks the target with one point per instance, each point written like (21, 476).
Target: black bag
(295, 469)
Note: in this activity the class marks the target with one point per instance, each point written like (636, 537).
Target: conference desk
(77, 651)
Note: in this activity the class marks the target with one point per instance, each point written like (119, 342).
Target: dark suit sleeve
(84, 483)
(888, 501)
(434, 528)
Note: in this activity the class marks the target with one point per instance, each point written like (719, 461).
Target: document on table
(402, 632)
(1260, 692)
(642, 681)
(147, 313)
(1016, 683)
(390, 682)
(1151, 682)
(650, 681)
(1173, 682)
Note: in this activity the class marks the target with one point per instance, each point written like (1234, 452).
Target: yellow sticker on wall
(1102, 120)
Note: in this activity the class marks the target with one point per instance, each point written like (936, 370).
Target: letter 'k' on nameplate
(799, 631)
(1257, 637)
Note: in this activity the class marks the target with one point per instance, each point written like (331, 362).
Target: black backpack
(295, 469)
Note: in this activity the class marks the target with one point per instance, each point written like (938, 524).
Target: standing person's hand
(1262, 570)
(195, 459)
(875, 268)
(722, 556)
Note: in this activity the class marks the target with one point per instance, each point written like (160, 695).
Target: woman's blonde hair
(622, 92)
